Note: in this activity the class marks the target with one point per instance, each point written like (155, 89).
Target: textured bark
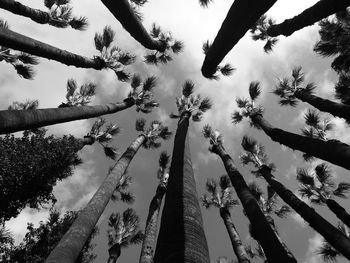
(29, 45)
(149, 242)
(70, 245)
(181, 237)
(274, 251)
(18, 120)
(236, 241)
(332, 151)
(242, 15)
(330, 233)
(339, 211)
(125, 15)
(308, 17)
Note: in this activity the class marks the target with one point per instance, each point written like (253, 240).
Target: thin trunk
(181, 237)
(308, 17)
(149, 242)
(114, 253)
(336, 238)
(18, 120)
(242, 15)
(72, 242)
(332, 151)
(125, 15)
(236, 241)
(339, 211)
(29, 45)
(273, 249)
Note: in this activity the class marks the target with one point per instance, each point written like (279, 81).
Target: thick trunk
(70, 245)
(242, 15)
(181, 237)
(149, 242)
(339, 211)
(337, 239)
(236, 241)
(273, 249)
(125, 15)
(334, 108)
(29, 45)
(332, 151)
(308, 17)
(18, 120)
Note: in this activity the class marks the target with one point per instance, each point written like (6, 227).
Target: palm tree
(181, 236)
(140, 95)
(332, 151)
(59, 15)
(205, 3)
(242, 15)
(254, 154)
(223, 199)
(149, 241)
(261, 228)
(70, 245)
(124, 231)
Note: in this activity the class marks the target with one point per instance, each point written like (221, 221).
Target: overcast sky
(193, 25)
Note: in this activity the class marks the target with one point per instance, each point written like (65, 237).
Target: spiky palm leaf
(205, 3)
(259, 32)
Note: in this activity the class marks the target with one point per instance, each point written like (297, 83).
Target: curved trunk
(29, 45)
(181, 237)
(18, 120)
(334, 108)
(149, 242)
(236, 241)
(242, 15)
(125, 15)
(332, 151)
(273, 249)
(339, 211)
(308, 17)
(330, 233)
(70, 245)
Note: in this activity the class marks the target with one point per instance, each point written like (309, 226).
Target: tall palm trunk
(17, 120)
(308, 17)
(332, 151)
(149, 241)
(336, 238)
(29, 45)
(261, 228)
(236, 241)
(242, 15)
(70, 245)
(181, 237)
(339, 211)
(125, 15)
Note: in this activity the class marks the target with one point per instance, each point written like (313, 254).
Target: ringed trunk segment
(72, 242)
(122, 11)
(242, 15)
(181, 237)
(339, 211)
(308, 17)
(18, 120)
(273, 249)
(31, 46)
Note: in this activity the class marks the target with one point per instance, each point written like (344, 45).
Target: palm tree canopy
(78, 97)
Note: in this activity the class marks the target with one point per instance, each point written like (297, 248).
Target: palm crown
(162, 173)
(78, 97)
(214, 136)
(259, 32)
(122, 192)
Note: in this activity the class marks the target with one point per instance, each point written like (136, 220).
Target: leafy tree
(6, 243)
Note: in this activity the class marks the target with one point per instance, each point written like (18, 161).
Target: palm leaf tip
(79, 23)
(249, 144)
(25, 71)
(342, 190)
(236, 117)
(177, 47)
(204, 3)
(207, 131)
(211, 185)
(227, 70)
(140, 125)
(188, 88)
(312, 118)
(205, 105)
(108, 36)
(206, 46)
(164, 159)
(135, 81)
(225, 182)
(254, 90)
(110, 152)
(155, 31)
(304, 177)
(149, 83)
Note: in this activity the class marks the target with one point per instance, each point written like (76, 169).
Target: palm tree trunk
(114, 253)
(181, 237)
(273, 249)
(70, 245)
(236, 241)
(18, 120)
(149, 242)
(336, 238)
(29, 45)
(242, 15)
(125, 15)
(339, 211)
(332, 151)
(308, 17)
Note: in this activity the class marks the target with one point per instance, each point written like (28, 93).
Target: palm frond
(177, 47)
(312, 118)
(242, 102)
(122, 75)
(227, 70)
(205, 105)
(126, 58)
(236, 117)
(135, 81)
(298, 76)
(323, 174)
(206, 46)
(342, 190)
(107, 36)
(28, 59)
(254, 90)
(207, 131)
(211, 185)
(197, 116)
(187, 88)
(151, 58)
(206, 201)
(137, 238)
(255, 190)
(249, 144)
(155, 31)
(127, 197)
(328, 253)
(224, 182)
(49, 3)
(149, 83)
(79, 23)
(283, 211)
(310, 87)
(24, 71)
(304, 177)
(270, 44)
(164, 159)
(205, 3)
(140, 125)
(110, 152)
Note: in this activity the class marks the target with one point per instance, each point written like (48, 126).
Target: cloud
(311, 254)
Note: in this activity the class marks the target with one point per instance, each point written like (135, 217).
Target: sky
(193, 25)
